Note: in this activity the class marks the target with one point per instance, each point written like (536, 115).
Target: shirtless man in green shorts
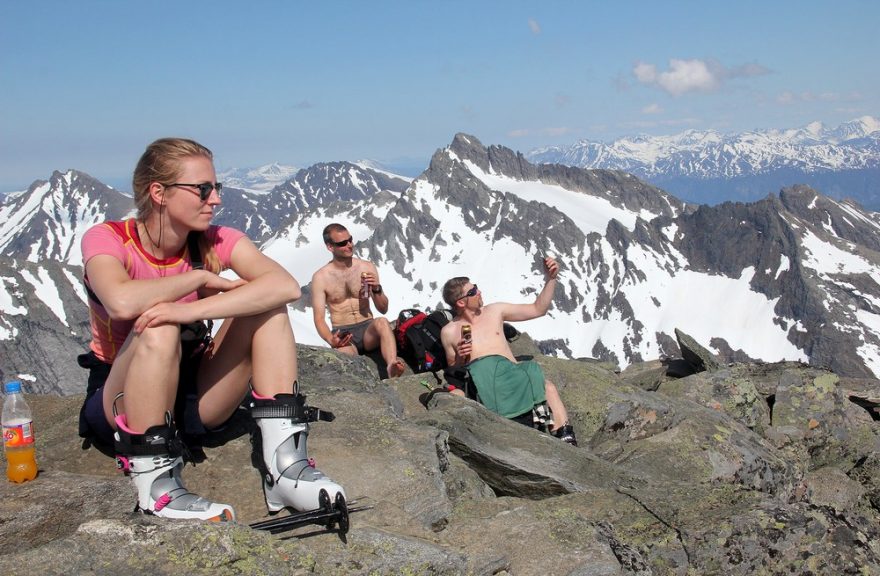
(506, 387)
(338, 286)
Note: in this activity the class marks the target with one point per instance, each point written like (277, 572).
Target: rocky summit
(686, 465)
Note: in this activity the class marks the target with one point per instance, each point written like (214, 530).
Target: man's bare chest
(343, 285)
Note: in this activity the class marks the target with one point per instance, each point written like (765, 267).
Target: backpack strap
(418, 348)
(195, 255)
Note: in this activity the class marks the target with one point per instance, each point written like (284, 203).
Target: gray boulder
(697, 356)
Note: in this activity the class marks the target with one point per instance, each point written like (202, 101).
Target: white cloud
(652, 109)
(693, 75)
(786, 97)
(746, 70)
(518, 133)
(534, 26)
(645, 73)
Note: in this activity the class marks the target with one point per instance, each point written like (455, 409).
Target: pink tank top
(120, 240)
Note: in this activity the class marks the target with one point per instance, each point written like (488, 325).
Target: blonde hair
(161, 162)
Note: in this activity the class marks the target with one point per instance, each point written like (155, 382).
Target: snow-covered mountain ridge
(708, 154)
(752, 163)
(256, 180)
(793, 276)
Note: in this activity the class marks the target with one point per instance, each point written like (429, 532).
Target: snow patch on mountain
(590, 213)
(377, 167)
(870, 353)
(10, 305)
(259, 180)
(15, 216)
(47, 291)
(827, 259)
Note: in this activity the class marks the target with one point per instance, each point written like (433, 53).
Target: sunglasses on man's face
(342, 243)
(472, 292)
(203, 190)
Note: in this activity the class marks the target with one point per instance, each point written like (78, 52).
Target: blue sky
(87, 84)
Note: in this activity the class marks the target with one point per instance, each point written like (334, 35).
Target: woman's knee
(160, 342)
(275, 317)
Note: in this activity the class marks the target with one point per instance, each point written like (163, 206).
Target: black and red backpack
(418, 339)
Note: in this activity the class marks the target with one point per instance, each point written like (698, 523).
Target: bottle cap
(13, 387)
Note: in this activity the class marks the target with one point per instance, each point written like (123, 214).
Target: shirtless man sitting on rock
(346, 285)
(475, 338)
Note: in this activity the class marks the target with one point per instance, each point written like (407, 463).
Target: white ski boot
(154, 461)
(291, 479)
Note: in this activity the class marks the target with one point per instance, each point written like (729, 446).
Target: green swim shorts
(508, 388)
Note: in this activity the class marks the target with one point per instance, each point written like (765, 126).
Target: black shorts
(357, 333)
(92, 420)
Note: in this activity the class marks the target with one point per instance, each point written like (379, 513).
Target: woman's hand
(216, 284)
(166, 313)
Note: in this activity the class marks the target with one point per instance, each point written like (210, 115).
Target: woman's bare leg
(260, 349)
(146, 370)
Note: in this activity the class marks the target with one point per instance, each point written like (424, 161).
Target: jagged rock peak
(468, 147)
(845, 219)
(494, 159)
(620, 188)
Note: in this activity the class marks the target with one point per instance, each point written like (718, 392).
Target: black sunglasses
(204, 189)
(472, 292)
(342, 243)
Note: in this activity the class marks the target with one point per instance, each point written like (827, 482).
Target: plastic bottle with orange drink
(18, 435)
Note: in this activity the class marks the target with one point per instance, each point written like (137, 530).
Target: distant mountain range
(792, 276)
(256, 180)
(708, 167)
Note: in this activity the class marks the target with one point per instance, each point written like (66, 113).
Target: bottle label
(18, 435)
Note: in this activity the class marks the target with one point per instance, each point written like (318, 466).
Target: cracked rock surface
(745, 469)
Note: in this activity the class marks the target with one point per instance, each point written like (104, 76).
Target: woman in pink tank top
(143, 289)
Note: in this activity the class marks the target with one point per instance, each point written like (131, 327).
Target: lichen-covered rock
(646, 375)
(748, 469)
(723, 390)
(834, 431)
(681, 441)
(832, 488)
